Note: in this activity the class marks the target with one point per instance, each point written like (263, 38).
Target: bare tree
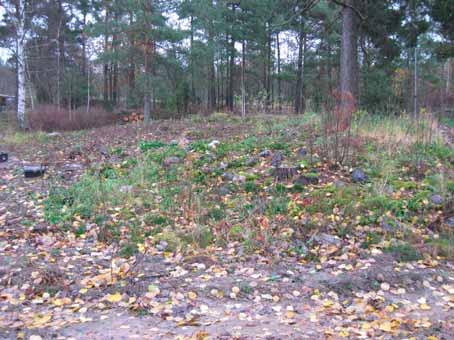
(349, 50)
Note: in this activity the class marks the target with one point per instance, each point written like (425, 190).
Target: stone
(277, 159)
(305, 180)
(223, 166)
(450, 222)
(54, 134)
(358, 176)
(302, 152)
(436, 199)
(224, 191)
(162, 245)
(227, 176)
(251, 161)
(239, 179)
(71, 167)
(171, 160)
(338, 183)
(326, 239)
(213, 144)
(126, 189)
(265, 154)
(387, 226)
(39, 228)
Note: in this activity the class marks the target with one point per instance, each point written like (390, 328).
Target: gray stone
(251, 161)
(265, 153)
(326, 239)
(306, 180)
(227, 176)
(72, 167)
(302, 152)
(277, 159)
(450, 222)
(162, 245)
(126, 189)
(358, 176)
(338, 183)
(388, 226)
(223, 166)
(224, 191)
(239, 179)
(436, 199)
(171, 161)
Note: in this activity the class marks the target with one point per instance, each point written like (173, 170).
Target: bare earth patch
(56, 285)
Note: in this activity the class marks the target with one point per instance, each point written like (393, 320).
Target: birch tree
(16, 10)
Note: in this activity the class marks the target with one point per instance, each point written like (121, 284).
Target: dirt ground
(218, 294)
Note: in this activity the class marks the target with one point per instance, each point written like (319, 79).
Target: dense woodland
(176, 57)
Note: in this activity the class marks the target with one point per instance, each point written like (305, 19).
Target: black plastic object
(33, 171)
(3, 157)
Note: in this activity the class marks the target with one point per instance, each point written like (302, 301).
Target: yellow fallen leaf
(386, 326)
(192, 296)
(327, 303)
(290, 314)
(113, 298)
(41, 319)
(424, 306)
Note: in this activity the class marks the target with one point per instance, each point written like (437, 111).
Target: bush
(51, 118)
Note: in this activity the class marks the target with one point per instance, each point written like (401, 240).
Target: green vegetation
(180, 203)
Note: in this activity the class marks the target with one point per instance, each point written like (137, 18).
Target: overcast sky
(3, 52)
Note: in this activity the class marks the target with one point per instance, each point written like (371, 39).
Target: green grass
(158, 196)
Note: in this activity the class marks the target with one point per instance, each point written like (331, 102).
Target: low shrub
(52, 118)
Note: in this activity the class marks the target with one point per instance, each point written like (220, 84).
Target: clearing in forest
(229, 229)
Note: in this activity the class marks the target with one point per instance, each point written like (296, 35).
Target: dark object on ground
(224, 191)
(277, 159)
(282, 174)
(306, 180)
(436, 199)
(251, 161)
(3, 157)
(32, 171)
(359, 176)
(450, 222)
(265, 153)
(169, 161)
(302, 152)
(227, 176)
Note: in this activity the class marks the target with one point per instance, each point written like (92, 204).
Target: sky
(4, 53)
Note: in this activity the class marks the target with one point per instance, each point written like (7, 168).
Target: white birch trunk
(20, 43)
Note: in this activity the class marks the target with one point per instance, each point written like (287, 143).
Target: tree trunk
(243, 80)
(231, 73)
(132, 65)
(268, 69)
(106, 65)
(349, 52)
(193, 95)
(299, 105)
(20, 43)
(211, 70)
(148, 46)
(147, 94)
(279, 82)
